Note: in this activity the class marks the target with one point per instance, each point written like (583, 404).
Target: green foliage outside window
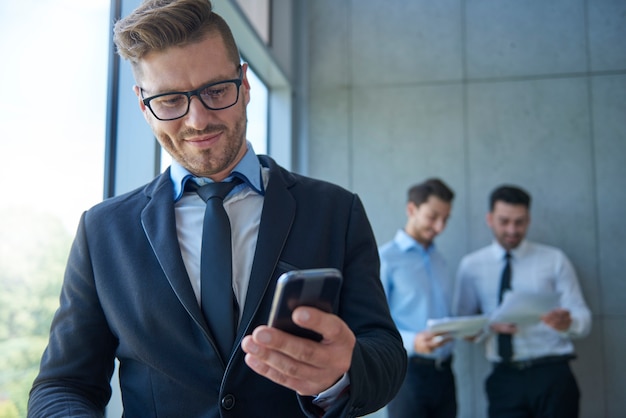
(33, 252)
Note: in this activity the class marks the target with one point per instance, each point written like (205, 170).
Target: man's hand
(559, 319)
(306, 366)
(426, 342)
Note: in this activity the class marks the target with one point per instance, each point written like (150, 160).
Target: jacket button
(228, 402)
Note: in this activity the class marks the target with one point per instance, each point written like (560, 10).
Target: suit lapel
(159, 224)
(277, 217)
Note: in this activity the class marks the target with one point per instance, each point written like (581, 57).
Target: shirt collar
(516, 252)
(406, 242)
(248, 170)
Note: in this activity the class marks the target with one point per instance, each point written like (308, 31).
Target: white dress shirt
(243, 206)
(535, 268)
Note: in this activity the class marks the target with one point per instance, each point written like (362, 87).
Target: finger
(259, 345)
(334, 357)
(304, 378)
(438, 341)
(303, 386)
(300, 349)
(298, 363)
(325, 324)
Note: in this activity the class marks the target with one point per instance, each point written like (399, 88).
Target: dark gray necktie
(505, 343)
(218, 301)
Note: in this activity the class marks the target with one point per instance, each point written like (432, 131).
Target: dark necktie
(505, 343)
(218, 301)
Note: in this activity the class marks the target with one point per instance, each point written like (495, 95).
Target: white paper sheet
(458, 327)
(520, 308)
(524, 308)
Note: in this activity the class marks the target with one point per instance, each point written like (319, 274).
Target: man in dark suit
(132, 288)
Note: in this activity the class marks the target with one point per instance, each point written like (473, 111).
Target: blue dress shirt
(418, 287)
(247, 170)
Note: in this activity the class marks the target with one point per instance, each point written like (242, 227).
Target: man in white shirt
(531, 376)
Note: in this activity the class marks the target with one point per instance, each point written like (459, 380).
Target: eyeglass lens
(216, 96)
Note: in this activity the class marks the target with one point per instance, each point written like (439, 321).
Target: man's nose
(511, 229)
(198, 114)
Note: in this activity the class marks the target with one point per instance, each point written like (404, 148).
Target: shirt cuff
(325, 399)
(575, 329)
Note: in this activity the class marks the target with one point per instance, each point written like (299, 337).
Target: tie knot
(507, 256)
(211, 190)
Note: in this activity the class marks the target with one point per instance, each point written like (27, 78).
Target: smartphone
(318, 288)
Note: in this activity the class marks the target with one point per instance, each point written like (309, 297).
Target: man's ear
(410, 209)
(137, 91)
(489, 219)
(245, 83)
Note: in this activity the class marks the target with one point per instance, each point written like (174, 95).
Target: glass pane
(258, 13)
(52, 113)
(257, 113)
(257, 118)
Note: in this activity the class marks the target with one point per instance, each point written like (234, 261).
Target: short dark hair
(510, 194)
(420, 193)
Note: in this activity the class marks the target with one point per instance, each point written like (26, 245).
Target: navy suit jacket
(126, 294)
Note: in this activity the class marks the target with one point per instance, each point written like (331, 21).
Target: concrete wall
(480, 93)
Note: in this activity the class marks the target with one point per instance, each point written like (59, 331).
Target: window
(258, 13)
(52, 113)
(257, 113)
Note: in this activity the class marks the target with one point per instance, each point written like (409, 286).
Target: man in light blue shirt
(419, 287)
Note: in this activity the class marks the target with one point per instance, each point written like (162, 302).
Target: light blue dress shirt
(418, 287)
(247, 170)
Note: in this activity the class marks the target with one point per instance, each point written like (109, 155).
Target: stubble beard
(510, 242)
(207, 162)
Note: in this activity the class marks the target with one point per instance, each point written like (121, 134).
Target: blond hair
(159, 24)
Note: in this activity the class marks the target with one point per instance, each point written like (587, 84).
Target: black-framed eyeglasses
(214, 96)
